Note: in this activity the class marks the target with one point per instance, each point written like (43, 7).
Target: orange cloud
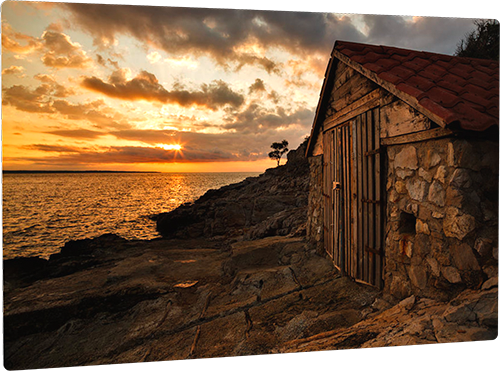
(145, 86)
(13, 70)
(57, 49)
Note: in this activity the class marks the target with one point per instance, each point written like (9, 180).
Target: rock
(463, 257)
(400, 187)
(437, 215)
(418, 276)
(274, 203)
(408, 303)
(406, 158)
(461, 179)
(440, 174)
(451, 274)
(422, 227)
(434, 265)
(381, 305)
(459, 314)
(490, 283)
(431, 159)
(425, 175)
(404, 173)
(400, 288)
(483, 246)
(88, 246)
(436, 194)
(456, 224)
(417, 189)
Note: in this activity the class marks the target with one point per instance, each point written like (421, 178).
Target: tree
(482, 42)
(279, 150)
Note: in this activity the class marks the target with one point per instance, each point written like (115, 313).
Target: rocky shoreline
(232, 275)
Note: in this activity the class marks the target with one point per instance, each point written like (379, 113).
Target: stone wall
(442, 224)
(314, 225)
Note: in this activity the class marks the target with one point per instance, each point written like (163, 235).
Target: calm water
(43, 211)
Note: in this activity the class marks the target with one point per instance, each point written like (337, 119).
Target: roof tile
(393, 79)
(463, 90)
(411, 90)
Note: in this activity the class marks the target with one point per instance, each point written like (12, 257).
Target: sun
(170, 147)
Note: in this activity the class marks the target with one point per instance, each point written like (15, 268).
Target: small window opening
(407, 223)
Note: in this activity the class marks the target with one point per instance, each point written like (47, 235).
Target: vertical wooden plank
(335, 199)
(354, 197)
(364, 136)
(345, 244)
(371, 196)
(347, 157)
(359, 212)
(378, 196)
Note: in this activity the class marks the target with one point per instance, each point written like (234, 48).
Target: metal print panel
(184, 183)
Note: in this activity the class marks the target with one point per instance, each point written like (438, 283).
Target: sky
(170, 89)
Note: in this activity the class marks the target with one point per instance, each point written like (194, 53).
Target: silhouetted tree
(482, 42)
(280, 148)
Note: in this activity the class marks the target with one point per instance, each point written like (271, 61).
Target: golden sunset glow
(170, 147)
(107, 87)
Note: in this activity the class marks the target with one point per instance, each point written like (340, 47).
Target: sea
(42, 211)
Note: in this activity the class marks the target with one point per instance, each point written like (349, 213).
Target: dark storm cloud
(222, 34)
(145, 86)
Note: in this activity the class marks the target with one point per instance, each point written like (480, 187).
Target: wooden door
(353, 198)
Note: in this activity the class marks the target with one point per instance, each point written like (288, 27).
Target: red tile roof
(457, 90)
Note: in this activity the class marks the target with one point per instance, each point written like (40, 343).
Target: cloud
(145, 86)
(54, 88)
(56, 48)
(13, 70)
(77, 133)
(154, 57)
(227, 36)
(125, 154)
(43, 99)
(26, 99)
(51, 148)
(61, 52)
(257, 86)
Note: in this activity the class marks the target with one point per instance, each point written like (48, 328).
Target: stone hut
(403, 160)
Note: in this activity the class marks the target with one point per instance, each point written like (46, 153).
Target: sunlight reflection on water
(43, 211)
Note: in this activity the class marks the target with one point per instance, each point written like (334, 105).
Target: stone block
(451, 274)
(458, 225)
(461, 178)
(418, 276)
(425, 175)
(463, 257)
(483, 246)
(404, 173)
(422, 227)
(431, 159)
(400, 187)
(399, 287)
(436, 194)
(417, 189)
(434, 265)
(440, 251)
(406, 158)
(441, 174)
